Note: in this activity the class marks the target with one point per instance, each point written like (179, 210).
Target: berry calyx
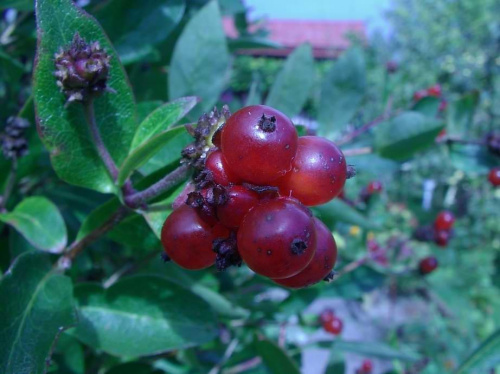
(259, 144)
(277, 238)
(334, 326)
(321, 264)
(444, 221)
(428, 265)
(494, 177)
(319, 172)
(187, 239)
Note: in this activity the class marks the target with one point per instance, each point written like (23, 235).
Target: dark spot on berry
(287, 146)
(298, 246)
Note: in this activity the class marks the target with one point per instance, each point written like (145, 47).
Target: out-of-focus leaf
(64, 131)
(201, 59)
(250, 42)
(275, 358)
(428, 106)
(408, 133)
(142, 315)
(40, 222)
(133, 368)
(232, 6)
(472, 159)
(460, 114)
(377, 349)
(36, 304)
(69, 355)
(338, 211)
(293, 84)
(485, 357)
(342, 90)
(17, 4)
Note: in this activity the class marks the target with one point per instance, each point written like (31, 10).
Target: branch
(351, 267)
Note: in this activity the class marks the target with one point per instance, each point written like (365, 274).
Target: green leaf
(136, 27)
(69, 355)
(200, 61)
(428, 106)
(403, 136)
(133, 368)
(294, 82)
(337, 210)
(134, 232)
(40, 222)
(250, 42)
(168, 154)
(17, 4)
(163, 118)
(36, 304)
(485, 357)
(460, 114)
(342, 90)
(64, 131)
(145, 108)
(473, 159)
(98, 217)
(275, 358)
(378, 349)
(148, 149)
(142, 315)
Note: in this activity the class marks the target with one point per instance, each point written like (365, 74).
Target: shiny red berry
(277, 238)
(221, 173)
(494, 177)
(444, 221)
(187, 239)
(374, 187)
(322, 262)
(240, 200)
(334, 326)
(442, 237)
(428, 265)
(435, 90)
(259, 144)
(366, 367)
(319, 172)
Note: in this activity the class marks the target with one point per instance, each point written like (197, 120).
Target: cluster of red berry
(251, 198)
(330, 322)
(434, 91)
(366, 367)
(494, 177)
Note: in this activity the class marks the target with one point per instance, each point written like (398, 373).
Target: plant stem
(138, 199)
(351, 267)
(229, 352)
(244, 366)
(9, 185)
(96, 138)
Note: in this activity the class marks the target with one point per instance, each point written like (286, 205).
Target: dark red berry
(187, 239)
(442, 237)
(319, 172)
(428, 265)
(435, 90)
(444, 221)
(326, 316)
(366, 367)
(494, 177)
(374, 187)
(259, 144)
(322, 262)
(333, 326)
(277, 238)
(221, 174)
(240, 200)
(419, 95)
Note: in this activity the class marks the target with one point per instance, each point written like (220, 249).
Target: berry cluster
(13, 140)
(256, 178)
(366, 367)
(433, 91)
(440, 233)
(330, 322)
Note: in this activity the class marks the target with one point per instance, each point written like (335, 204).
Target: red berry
(435, 90)
(334, 326)
(322, 262)
(319, 172)
(419, 95)
(220, 171)
(374, 187)
(366, 367)
(428, 265)
(444, 221)
(240, 201)
(441, 237)
(326, 315)
(259, 144)
(494, 177)
(187, 239)
(277, 238)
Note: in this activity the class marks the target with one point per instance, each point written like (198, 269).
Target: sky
(370, 11)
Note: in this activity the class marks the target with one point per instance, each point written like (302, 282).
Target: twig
(357, 151)
(88, 108)
(351, 267)
(9, 185)
(229, 352)
(244, 366)
(454, 139)
(138, 199)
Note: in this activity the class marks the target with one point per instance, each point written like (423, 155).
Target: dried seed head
(13, 141)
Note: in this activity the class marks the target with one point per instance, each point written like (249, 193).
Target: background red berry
(366, 367)
(374, 187)
(334, 326)
(442, 237)
(259, 144)
(444, 221)
(428, 265)
(494, 177)
(277, 238)
(319, 172)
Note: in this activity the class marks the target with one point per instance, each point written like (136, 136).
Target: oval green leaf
(376, 349)
(337, 210)
(485, 357)
(275, 358)
(40, 222)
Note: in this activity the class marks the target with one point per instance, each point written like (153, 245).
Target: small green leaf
(64, 131)
(133, 368)
(337, 210)
(342, 90)
(142, 315)
(250, 42)
(485, 357)
(17, 4)
(428, 106)
(40, 222)
(378, 349)
(403, 136)
(460, 114)
(145, 108)
(148, 149)
(200, 61)
(168, 154)
(275, 358)
(163, 118)
(473, 159)
(294, 82)
(36, 304)
(98, 217)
